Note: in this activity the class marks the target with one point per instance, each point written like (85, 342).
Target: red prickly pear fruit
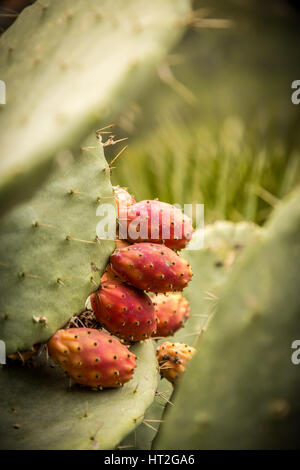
(151, 267)
(172, 311)
(173, 359)
(109, 275)
(158, 222)
(124, 311)
(123, 200)
(92, 358)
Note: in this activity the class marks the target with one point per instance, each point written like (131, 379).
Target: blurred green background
(216, 125)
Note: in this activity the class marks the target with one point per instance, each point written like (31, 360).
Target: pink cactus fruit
(124, 311)
(172, 311)
(92, 358)
(109, 275)
(157, 222)
(151, 267)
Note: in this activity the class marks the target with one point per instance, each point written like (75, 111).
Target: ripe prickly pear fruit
(92, 358)
(172, 310)
(151, 267)
(158, 222)
(125, 311)
(123, 200)
(173, 359)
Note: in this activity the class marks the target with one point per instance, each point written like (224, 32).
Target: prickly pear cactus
(47, 247)
(103, 52)
(241, 389)
(224, 242)
(39, 410)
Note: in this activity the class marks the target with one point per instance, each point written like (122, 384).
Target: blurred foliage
(217, 125)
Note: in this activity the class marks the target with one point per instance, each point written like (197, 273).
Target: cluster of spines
(173, 359)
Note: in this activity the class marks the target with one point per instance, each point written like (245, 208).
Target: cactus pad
(47, 246)
(224, 243)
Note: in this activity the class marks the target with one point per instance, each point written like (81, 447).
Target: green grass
(234, 176)
(224, 132)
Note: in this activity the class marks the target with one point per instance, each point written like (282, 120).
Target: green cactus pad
(241, 390)
(66, 65)
(39, 410)
(224, 242)
(47, 246)
(141, 438)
